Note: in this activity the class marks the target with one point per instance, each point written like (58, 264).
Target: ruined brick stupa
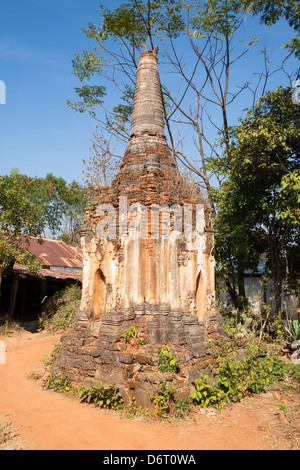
(142, 269)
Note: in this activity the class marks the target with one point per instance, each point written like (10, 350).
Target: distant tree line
(36, 207)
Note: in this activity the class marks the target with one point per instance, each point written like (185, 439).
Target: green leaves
(163, 396)
(258, 205)
(132, 332)
(88, 63)
(124, 23)
(30, 205)
(20, 217)
(238, 378)
(101, 396)
(217, 17)
(60, 383)
(166, 361)
(18, 213)
(205, 394)
(271, 12)
(289, 199)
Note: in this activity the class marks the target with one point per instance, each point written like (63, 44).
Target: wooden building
(23, 294)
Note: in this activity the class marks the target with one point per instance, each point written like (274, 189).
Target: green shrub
(182, 407)
(166, 361)
(60, 383)
(132, 332)
(295, 371)
(255, 373)
(263, 325)
(6, 434)
(205, 394)
(101, 396)
(59, 310)
(292, 330)
(10, 326)
(163, 397)
(49, 361)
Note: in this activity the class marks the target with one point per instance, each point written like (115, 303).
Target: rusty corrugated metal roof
(66, 259)
(54, 273)
(55, 253)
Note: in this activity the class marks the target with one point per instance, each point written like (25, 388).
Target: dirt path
(45, 420)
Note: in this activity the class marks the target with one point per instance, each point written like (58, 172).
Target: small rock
(282, 418)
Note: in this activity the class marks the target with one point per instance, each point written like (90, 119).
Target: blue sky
(39, 134)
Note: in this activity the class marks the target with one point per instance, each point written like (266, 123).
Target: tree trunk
(276, 273)
(241, 287)
(232, 293)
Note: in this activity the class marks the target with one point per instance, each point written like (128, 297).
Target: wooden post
(43, 290)
(13, 296)
(24, 298)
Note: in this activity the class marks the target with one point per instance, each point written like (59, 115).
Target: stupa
(148, 264)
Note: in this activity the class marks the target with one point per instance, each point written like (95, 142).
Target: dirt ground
(34, 419)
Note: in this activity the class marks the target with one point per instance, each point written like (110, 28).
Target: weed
(135, 411)
(60, 383)
(205, 394)
(5, 433)
(49, 361)
(236, 379)
(10, 326)
(182, 407)
(292, 330)
(294, 371)
(282, 407)
(166, 361)
(59, 310)
(101, 396)
(132, 332)
(162, 397)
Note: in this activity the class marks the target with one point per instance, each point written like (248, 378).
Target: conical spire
(147, 148)
(148, 114)
(147, 164)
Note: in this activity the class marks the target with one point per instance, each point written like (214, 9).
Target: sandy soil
(45, 420)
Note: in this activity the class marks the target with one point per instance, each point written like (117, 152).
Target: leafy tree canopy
(61, 204)
(271, 11)
(258, 204)
(20, 217)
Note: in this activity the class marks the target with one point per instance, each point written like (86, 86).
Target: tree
(101, 167)
(202, 89)
(20, 218)
(62, 204)
(254, 218)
